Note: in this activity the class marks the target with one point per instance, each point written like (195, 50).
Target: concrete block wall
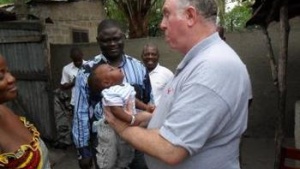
(81, 15)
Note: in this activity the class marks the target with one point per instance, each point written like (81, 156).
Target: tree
(113, 12)
(6, 1)
(235, 20)
(135, 13)
(221, 11)
(155, 19)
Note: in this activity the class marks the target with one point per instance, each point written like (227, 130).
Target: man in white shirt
(63, 106)
(69, 71)
(159, 75)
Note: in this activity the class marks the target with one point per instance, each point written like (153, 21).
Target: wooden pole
(271, 56)
(282, 64)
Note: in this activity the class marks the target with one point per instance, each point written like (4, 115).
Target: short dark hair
(108, 23)
(75, 51)
(150, 44)
(92, 78)
(221, 31)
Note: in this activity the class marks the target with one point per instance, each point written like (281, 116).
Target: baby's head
(103, 76)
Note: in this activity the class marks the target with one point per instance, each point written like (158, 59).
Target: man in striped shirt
(88, 106)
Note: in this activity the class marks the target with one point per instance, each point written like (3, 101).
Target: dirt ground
(257, 153)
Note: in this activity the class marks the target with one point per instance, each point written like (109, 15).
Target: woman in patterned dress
(20, 144)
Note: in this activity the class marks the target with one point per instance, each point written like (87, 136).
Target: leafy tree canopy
(140, 17)
(6, 1)
(235, 19)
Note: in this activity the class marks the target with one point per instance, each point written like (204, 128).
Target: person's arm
(140, 119)
(176, 139)
(148, 141)
(142, 106)
(67, 86)
(66, 82)
(118, 111)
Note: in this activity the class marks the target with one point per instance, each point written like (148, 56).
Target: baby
(112, 151)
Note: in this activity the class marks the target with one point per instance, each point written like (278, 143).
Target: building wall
(81, 15)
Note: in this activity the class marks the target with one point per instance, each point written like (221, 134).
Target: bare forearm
(150, 142)
(120, 114)
(67, 86)
(140, 105)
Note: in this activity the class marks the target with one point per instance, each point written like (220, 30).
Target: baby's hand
(150, 108)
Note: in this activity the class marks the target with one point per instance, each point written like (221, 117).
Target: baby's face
(115, 75)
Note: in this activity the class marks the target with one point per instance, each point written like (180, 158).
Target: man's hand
(85, 163)
(118, 125)
(142, 118)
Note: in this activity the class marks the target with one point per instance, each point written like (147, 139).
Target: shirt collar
(155, 69)
(123, 62)
(73, 66)
(194, 51)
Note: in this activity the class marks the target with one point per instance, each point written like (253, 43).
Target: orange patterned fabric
(28, 156)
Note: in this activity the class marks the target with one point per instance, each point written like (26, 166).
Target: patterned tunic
(29, 156)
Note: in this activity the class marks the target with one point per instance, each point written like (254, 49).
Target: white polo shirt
(159, 77)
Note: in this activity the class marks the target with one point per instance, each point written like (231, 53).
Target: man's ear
(191, 15)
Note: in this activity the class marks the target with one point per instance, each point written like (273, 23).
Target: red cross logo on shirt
(169, 90)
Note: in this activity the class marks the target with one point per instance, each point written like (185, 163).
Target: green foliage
(113, 12)
(155, 16)
(236, 19)
(155, 19)
(221, 11)
(6, 1)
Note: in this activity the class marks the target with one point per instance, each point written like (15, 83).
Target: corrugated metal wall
(25, 47)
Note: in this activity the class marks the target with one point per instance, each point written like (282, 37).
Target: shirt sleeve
(196, 118)
(80, 129)
(64, 76)
(112, 98)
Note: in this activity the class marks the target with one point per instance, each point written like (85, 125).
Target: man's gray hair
(207, 8)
